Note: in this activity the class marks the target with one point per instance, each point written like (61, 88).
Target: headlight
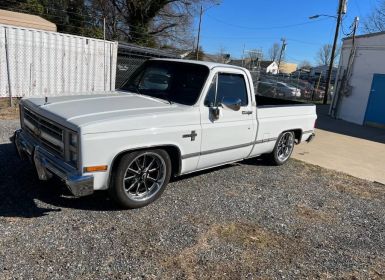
(73, 139)
(73, 148)
(74, 156)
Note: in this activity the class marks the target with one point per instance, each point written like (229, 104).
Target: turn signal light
(95, 168)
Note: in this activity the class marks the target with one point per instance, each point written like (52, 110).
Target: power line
(92, 24)
(260, 38)
(99, 17)
(266, 28)
(343, 28)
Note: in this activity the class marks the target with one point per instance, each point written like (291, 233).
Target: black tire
(275, 158)
(126, 186)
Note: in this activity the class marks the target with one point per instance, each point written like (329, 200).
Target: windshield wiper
(136, 88)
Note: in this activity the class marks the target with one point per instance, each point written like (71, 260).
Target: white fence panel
(35, 63)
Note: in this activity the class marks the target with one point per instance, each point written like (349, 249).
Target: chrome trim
(47, 133)
(227, 148)
(247, 112)
(310, 138)
(48, 164)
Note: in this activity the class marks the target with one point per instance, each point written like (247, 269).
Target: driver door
(229, 137)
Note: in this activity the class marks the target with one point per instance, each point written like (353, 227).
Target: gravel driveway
(241, 221)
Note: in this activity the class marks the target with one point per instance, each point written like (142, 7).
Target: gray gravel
(241, 221)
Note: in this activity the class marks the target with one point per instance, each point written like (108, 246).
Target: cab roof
(210, 65)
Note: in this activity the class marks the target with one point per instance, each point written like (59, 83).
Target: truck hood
(86, 112)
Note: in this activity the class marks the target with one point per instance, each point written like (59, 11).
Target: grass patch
(314, 215)
(7, 112)
(234, 251)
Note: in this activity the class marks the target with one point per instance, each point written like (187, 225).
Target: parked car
(288, 91)
(266, 88)
(172, 117)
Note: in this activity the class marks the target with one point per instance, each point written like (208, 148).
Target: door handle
(247, 112)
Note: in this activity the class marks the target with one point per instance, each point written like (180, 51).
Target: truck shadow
(258, 161)
(23, 195)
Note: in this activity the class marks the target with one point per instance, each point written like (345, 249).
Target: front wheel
(283, 148)
(140, 178)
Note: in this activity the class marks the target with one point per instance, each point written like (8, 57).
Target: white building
(322, 70)
(360, 95)
(269, 67)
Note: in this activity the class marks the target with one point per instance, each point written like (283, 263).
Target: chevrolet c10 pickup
(171, 117)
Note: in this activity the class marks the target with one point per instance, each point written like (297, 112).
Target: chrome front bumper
(48, 164)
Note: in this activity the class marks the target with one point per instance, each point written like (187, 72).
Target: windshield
(172, 81)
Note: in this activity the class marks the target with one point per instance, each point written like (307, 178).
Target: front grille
(49, 134)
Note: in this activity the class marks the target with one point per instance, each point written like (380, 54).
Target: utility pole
(316, 89)
(283, 47)
(341, 9)
(355, 26)
(344, 82)
(199, 33)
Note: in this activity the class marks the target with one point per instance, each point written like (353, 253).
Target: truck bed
(271, 101)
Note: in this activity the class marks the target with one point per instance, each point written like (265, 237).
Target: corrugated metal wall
(45, 63)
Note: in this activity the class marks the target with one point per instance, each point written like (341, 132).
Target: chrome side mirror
(231, 103)
(215, 113)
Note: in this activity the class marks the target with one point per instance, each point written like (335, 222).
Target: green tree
(70, 16)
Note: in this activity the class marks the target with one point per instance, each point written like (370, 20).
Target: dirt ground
(241, 221)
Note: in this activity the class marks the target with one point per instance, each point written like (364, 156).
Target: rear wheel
(140, 178)
(283, 149)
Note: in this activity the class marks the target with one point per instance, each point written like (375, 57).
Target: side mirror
(231, 103)
(215, 113)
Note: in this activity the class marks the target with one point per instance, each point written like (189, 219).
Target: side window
(229, 85)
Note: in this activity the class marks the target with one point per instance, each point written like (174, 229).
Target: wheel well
(173, 152)
(297, 135)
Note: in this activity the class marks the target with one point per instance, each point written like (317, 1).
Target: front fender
(103, 148)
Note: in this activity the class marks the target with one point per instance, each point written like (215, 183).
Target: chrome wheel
(285, 146)
(144, 176)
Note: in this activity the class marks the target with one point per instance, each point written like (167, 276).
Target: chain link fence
(292, 87)
(130, 57)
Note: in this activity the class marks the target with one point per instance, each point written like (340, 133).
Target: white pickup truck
(170, 118)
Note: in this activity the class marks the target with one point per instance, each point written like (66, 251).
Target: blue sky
(259, 23)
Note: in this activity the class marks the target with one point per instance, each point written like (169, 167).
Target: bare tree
(104, 9)
(274, 50)
(223, 56)
(150, 22)
(324, 53)
(255, 56)
(305, 64)
(375, 22)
